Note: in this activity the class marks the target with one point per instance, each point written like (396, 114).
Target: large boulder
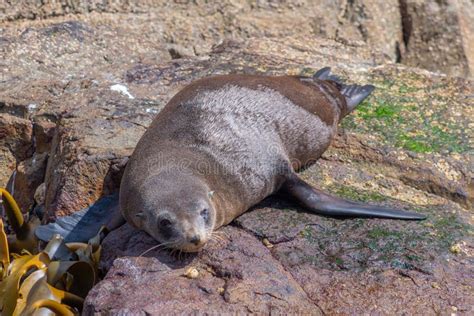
(27, 9)
(238, 275)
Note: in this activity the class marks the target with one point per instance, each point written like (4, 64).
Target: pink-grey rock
(237, 275)
(27, 178)
(438, 36)
(15, 144)
(405, 31)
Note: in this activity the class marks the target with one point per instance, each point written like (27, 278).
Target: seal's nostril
(195, 240)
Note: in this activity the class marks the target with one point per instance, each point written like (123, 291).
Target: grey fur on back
(255, 134)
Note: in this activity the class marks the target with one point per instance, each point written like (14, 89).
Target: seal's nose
(195, 240)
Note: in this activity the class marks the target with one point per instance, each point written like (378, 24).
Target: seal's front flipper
(84, 224)
(319, 202)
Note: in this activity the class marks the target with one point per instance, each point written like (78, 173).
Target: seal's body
(224, 143)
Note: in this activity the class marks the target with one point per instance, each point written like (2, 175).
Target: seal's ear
(138, 220)
(210, 194)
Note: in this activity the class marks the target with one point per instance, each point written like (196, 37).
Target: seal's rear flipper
(319, 202)
(325, 74)
(322, 73)
(354, 94)
(86, 223)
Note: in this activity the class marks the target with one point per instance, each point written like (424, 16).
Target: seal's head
(174, 207)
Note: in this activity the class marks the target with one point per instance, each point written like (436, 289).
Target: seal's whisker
(173, 252)
(164, 245)
(148, 250)
(219, 236)
(176, 251)
(219, 241)
(213, 239)
(220, 232)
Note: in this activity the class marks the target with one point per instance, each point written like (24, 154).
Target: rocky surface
(77, 92)
(432, 34)
(15, 143)
(236, 275)
(439, 35)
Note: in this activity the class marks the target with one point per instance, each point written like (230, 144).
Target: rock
(28, 177)
(450, 177)
(16, 135)
(438, 36)
(84, 160)
(179, 51)
(43, 131)
(44, 9)
(405, 31)
(15, 144)
(465, 16)
(40, 194)
(251, 279)
(386, 292)
(8, 163)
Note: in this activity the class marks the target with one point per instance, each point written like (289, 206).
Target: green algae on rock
(406, 113)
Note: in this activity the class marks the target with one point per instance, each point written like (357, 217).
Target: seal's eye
(165, 222)
(205, 213)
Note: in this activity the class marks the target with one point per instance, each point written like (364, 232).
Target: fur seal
(224, 143)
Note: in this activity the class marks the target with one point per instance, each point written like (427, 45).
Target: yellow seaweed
(9, 287)
(24, 232)
(4, 252)
(34, 284)
(15, 217)
(35, 289)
